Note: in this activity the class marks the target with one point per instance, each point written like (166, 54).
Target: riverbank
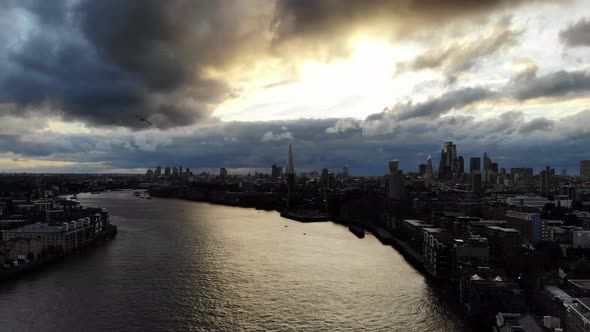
(43, 262)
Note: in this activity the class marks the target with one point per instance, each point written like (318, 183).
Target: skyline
(232, 84)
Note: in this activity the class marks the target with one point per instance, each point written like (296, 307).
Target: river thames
(178, 266)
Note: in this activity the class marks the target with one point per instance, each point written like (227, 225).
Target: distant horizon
(252, 170)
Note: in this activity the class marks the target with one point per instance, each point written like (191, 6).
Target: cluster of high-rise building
(450, 166)
(168, 172)
(485, 173)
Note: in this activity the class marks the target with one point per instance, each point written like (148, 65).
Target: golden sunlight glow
(354, 87)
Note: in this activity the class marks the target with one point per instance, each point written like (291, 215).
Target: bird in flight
(144, 120)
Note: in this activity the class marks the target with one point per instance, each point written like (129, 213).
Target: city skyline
(232, 84)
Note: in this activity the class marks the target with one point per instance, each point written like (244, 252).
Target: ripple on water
(179, 265)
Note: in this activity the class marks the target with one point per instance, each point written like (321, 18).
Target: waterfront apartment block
(67, 235)
(413, 229)
(21, 247)
(436, 250)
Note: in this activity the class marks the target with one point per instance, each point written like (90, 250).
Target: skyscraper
(290, 177)
(494, 167)
(324, 178)
(167, 171)
(476, 182)
(487, 162)
(223, 173)
(585, 169)
(422, 169)
(346, 171)
(393, 165)
(450, 163)
(396, 180)
(474, 164)
(429, 169)
(546, 180)
(276, 172)
(523, 175)
(428, 172)
(290, 167)
(158, 171)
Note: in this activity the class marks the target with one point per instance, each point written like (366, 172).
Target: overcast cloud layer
(346, 82)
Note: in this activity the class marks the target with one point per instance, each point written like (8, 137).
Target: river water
(178, 265)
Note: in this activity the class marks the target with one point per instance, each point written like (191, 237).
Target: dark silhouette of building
(585, 169)
(476, 182)
(474, 164)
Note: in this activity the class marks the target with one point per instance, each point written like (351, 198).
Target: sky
(232, 83)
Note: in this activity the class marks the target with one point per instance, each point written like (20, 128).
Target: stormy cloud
(104, 62)
(459, 57)
(296, 18)
(528, 85)
(173, 62)
(577, 34)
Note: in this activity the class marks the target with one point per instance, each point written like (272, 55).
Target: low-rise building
(488, 296)
(413, 230)
(534, 201)
(578, 287)
(503, 242)
(67, 235)
(531, 227)
(556, 301)
(468, 256)
(578, 316)
(21, 247)
(436, 250)
(581, 239)
(478, 227)
(514, 322)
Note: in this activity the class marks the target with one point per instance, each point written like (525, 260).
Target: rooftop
(516, 214)
(581, 283)
(559, 293)
(417, 223)
(434, 230)
(38, 228)
(487, 222)
(502, 229)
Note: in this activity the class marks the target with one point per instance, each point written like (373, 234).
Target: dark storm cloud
(172, 44)
(69, 76)
(435, 107)
(40, 147)
(528, 85)
(106, 61)
(296, 18)
(541, 124)
(385, 121)
(577, 34)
